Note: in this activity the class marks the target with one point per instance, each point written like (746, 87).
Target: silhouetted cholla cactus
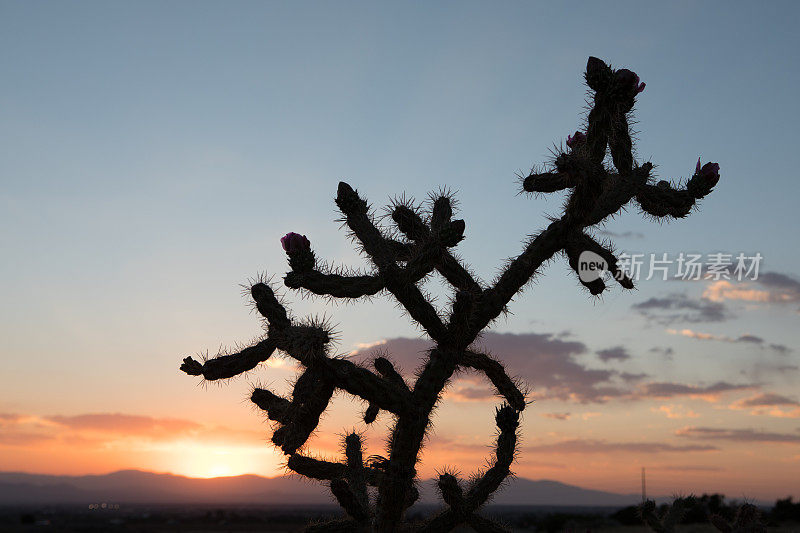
(747, 519)
(398, 267)
(668, 520)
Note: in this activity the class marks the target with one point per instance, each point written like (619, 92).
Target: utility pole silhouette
(644, 487)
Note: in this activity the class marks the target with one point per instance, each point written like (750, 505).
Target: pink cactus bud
(575, 140)
(628, 78)
(294, 242)
(709, 172)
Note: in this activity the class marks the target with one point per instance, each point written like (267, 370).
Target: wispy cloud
(100, 429)
(679, 307)
(770, 287)
(675, 411)
(546, 360)
(618, 353)
(556, 416)
(769, 404)
(124, 424)
(737, 435)
(592, 446)
(711, 392)
(551, 366)
(746, 338)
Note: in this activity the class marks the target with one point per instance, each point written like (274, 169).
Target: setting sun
(201, 461)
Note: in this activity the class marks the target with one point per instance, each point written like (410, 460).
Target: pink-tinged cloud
(675, 411)
(98, 429)
(737, 435)
(707, 392)
(14, 437)
(769, 287)
(126, 424)
(549, 366)
(592, 446)
(763, 400)
(547, 363)
(686, 468)
(745, 338)
(556, 416)
(768, 404)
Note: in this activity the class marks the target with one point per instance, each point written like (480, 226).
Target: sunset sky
(152, 154)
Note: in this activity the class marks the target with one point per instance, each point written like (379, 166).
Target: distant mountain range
(134, 486)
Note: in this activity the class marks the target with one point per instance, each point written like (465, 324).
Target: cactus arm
(228, 366)
(334, 284)
(315, 468)
(517, 273)
(413, 227)
(664, 200)
(579, 243)
(458, 511)
(310, 397)
(347, 499)
(356, 478)
(495, 372)
(275, 406)
(360, 382)
(505, 449)
(547, 182)
(387, 370)
(357, 219)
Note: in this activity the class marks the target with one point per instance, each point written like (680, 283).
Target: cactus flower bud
(294, 242)
(628, 78)
(575, 140)
(709, 172)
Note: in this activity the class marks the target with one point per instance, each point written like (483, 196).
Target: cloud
(773, 288)
(587, 446)
(776, 280)
(675, 411)
(22, 438)
(687, 468)
(678, 307)
(550, 366)
(556, 416)
(769, 404)
(666, 353)
(105, 429)
(547, 362)
(616, 353)
(737, 435)
(763, 400)
(706, 392)
(741, 339)
(631, 377)
(122, 424)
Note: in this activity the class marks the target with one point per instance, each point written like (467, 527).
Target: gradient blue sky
(153, 153)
